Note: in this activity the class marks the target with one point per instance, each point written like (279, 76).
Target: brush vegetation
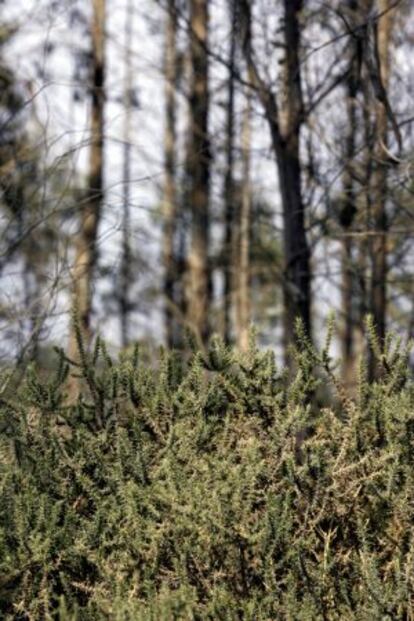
(210, 486)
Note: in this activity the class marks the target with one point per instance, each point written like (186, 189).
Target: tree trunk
(173, 322)
(379, 181)
(198, 171)
(297, 257)
(229, 197)
(348, 212)
(125, 280)
(285, 125)
(243, 269)
(86, 242)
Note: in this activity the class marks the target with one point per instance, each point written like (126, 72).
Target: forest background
(172, 167)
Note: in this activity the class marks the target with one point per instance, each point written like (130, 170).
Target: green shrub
(208, 488)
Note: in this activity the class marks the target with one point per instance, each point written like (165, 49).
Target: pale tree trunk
(125, 276)
(285, 125)
(379, 180)
(229, 195)
(243, 281)
(198, 171)
(90, 209)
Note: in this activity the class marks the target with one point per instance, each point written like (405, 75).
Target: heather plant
(210, 487)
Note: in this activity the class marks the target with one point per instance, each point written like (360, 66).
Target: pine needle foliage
(208, 488)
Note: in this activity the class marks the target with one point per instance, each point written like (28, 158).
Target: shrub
(208, 488)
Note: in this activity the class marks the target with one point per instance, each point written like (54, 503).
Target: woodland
(206, 310)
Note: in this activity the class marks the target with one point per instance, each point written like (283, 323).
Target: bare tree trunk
(198, 170)
(125, 280)
(364, 245)
(229, 197)
(243, 281)
(348, 213)
(297, 256)
(379, 180)
(171, 298)
(285, 124)
(86, 242)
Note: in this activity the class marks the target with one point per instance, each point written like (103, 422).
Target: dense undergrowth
(208, 488)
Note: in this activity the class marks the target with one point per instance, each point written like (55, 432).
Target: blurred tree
(90, 207)
(172, 285)
(230, 266)
(285, 116)
(378, 293)
(125, 305)
(198, 173)
(348, 205)
(29, 218)
(242, 262)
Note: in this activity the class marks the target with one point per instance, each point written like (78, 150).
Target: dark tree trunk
(172, 305)
(125, 280)
(379, 182)
(229, 197)
(285, 125)
(349, 210)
